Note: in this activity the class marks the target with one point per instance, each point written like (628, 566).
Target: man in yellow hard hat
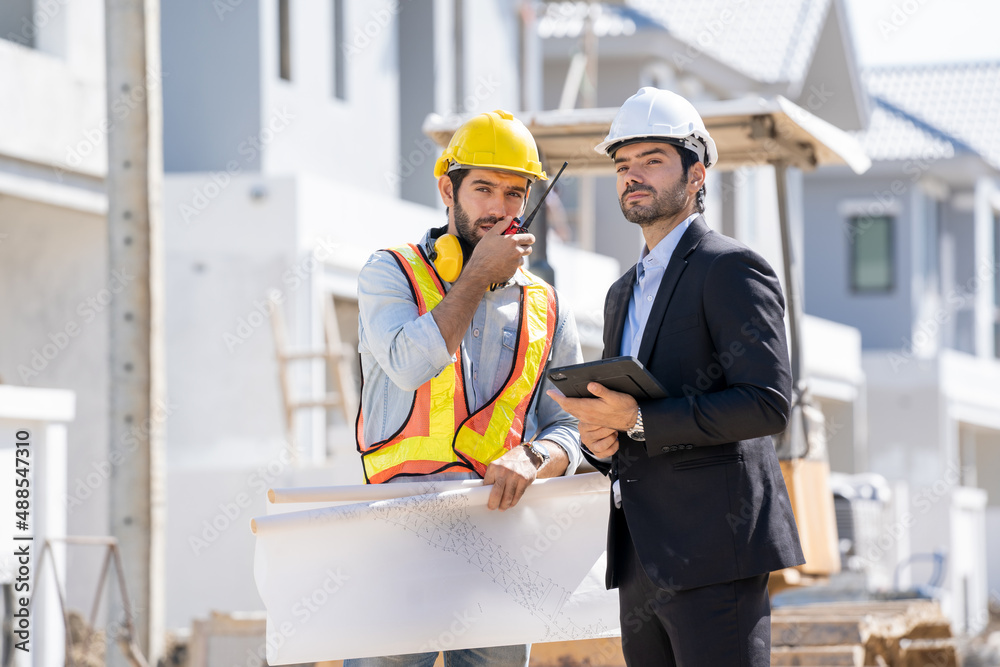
(454, 371)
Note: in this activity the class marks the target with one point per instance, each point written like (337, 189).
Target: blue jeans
(493, 656)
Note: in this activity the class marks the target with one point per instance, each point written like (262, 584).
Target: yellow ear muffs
(449, 257)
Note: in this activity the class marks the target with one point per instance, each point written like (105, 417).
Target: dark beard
(466, 228)
(666, 204)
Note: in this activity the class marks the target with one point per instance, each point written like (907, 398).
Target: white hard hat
(660, 115)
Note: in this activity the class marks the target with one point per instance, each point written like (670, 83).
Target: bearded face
(656, 205)
(468, 230)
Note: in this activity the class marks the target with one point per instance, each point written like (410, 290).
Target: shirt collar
(660, 255)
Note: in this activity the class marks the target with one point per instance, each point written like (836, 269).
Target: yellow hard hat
(492, 140)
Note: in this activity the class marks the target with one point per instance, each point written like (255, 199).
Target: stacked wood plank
(905, 633)
(900, 633)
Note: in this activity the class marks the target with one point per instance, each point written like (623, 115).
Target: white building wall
(55, 295)
(45, 87)
(221, 265)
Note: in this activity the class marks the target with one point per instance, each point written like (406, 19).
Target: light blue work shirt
(401, 350)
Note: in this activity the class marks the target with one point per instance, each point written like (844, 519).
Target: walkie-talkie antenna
(531, 216)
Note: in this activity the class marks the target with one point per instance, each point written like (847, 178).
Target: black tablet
(623, 374)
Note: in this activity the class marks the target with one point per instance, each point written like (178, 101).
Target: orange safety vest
(438, 433)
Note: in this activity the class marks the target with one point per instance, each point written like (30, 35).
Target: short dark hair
(688, 160)
(456, 176)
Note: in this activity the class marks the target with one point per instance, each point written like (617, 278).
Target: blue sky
(893, 32)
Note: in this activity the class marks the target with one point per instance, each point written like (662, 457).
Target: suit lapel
(616, 312)
(678, 262)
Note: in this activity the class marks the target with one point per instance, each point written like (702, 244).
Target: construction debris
(898, 633)
(86, 645)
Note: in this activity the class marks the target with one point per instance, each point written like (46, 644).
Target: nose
(633, 175)
(500, 205)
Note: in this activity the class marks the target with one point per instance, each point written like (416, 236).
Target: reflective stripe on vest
(438, 434)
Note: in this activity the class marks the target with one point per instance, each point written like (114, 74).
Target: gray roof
(895, 135)
(960, 100)
(768, 40)
(566, 19)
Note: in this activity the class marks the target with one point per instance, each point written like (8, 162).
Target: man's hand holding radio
(494, 260)
(497, 255)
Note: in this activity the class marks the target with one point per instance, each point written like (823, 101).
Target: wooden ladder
(338, 357)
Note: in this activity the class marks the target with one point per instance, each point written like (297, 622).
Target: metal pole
(792, 443)
(137, 407)
(792, 303)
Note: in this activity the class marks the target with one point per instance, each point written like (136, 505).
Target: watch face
(542, 450)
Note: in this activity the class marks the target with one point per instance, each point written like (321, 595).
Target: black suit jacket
(703, 496)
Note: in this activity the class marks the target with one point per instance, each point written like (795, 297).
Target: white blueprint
(344, 574)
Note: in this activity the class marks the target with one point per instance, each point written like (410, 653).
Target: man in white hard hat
(700, 512)
(453, 369)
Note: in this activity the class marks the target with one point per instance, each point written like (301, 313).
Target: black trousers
(722, 625)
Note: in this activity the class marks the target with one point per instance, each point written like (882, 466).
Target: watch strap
(637, 432)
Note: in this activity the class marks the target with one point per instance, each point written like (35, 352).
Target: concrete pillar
(135, 251)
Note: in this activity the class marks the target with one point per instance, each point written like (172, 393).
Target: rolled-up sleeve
(407, 346)
(554, 423)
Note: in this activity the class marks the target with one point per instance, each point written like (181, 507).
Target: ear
(446, 190)
(696, 177)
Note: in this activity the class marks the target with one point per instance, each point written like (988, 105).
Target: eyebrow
(642, 154)
(494, 184)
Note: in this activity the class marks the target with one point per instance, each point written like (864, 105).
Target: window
(339, 53)
(16, 22)
(284, 40)
(871, 253)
